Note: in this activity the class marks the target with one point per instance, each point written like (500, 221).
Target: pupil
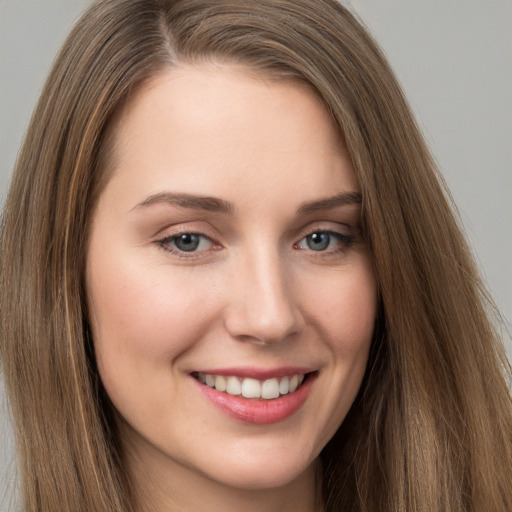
(187, 242)
(318, 241)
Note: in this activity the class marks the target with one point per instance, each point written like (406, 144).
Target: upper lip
(258, 373)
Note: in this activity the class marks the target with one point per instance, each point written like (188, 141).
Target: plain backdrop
(454, 60)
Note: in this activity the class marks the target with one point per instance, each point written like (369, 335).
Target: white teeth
(270, 389)
(294, 382)
(220, 383)
(233, 386)
(252, 388)
(284, 386)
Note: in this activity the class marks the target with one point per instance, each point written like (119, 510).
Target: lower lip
(259, 411)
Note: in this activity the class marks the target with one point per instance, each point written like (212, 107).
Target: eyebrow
(329, 203)
(214, 204)
(206, 203)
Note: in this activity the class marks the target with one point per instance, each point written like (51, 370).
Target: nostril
(249, 326)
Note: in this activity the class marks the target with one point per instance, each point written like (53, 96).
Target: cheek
(344, 309)
(145, 316)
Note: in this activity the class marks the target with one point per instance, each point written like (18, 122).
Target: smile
(267, 389)
(260, 398)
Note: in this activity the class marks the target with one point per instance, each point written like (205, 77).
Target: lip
(258, 373)
(258, 411)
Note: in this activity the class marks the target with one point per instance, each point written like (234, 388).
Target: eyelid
(343, 233)
(326, 227)
(165, 242)
(345, 239)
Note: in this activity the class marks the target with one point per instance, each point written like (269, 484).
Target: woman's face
(231, 295)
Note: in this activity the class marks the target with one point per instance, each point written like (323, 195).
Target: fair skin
(227, 244)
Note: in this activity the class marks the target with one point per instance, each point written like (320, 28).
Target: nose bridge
(263, 308)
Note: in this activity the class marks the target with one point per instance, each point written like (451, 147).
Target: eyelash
(166, 244)
(345, 240)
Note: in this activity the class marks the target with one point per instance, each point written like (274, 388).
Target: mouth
(247, 387)
(259, 401)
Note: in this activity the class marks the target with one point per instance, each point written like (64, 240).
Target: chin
(274, 475)
(269, 469)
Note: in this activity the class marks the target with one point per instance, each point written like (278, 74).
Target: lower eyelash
(165, 244)
(346, 240)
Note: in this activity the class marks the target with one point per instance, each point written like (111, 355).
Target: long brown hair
(431, 428)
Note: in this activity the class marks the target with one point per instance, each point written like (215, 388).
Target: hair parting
(431, 427)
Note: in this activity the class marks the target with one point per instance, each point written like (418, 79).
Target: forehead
(226, 127)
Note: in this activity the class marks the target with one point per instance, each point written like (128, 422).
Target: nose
(263, 307)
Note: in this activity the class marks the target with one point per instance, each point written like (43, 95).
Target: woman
(232, 280)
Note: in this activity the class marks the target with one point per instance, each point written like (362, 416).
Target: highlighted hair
(431, 428)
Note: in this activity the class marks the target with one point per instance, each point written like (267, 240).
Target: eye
(187, 242)
(325, 241)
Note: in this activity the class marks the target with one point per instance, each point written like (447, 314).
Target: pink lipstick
(257, 396)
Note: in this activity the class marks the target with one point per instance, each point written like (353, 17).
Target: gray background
(454, 59)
